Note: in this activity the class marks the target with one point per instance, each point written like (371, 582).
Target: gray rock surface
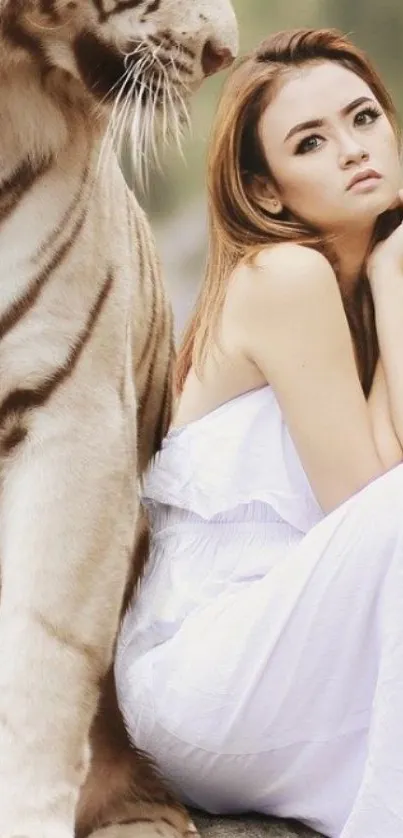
(250, 826)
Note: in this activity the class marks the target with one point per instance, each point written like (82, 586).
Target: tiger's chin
(136, 73)
(143, 96)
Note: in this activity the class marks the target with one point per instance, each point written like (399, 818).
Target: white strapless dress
(262, 663)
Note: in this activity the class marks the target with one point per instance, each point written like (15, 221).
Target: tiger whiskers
(179, 115)
(127, 85)
(182, 121)
(163, 108)
(141, 127)
(172, 113)
(151, 96)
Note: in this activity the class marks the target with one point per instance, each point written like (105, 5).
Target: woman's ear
(265, 196)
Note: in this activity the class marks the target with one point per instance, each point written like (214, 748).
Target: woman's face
(323, 131)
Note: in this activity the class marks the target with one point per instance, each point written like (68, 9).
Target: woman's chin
(370, 206)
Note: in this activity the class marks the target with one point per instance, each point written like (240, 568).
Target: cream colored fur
(74, 371)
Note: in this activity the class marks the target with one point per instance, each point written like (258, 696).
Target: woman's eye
(367, 116)
(308, 144)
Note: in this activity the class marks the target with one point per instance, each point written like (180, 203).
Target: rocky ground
(250, 827)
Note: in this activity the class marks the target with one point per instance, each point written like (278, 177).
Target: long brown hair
(239, 225)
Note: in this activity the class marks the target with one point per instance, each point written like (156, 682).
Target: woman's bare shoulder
(289, 260)
(285, 273)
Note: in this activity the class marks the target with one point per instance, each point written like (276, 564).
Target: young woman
(262, 664)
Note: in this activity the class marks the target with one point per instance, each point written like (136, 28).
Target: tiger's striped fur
(85, 395)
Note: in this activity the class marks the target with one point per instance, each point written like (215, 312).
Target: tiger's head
(147, 49)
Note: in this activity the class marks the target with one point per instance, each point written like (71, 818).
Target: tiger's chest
(67, 285)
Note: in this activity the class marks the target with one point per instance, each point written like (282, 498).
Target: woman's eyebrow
(318, 123)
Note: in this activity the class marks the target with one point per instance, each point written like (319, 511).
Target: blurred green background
(176, 199)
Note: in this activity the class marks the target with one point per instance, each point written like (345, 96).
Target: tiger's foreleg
(67, 509)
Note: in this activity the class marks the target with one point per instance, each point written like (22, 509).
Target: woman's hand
(386, 258)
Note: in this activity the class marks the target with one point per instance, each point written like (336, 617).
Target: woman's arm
(385, 437)
(293, 327)
(387, 290)
(385, 274)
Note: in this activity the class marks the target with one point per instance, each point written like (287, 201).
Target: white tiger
(85, 350)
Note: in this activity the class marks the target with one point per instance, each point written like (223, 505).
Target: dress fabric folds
(261, 663)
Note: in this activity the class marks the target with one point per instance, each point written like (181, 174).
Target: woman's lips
(365, 179)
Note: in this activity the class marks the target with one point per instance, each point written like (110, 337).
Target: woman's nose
(352, 153)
